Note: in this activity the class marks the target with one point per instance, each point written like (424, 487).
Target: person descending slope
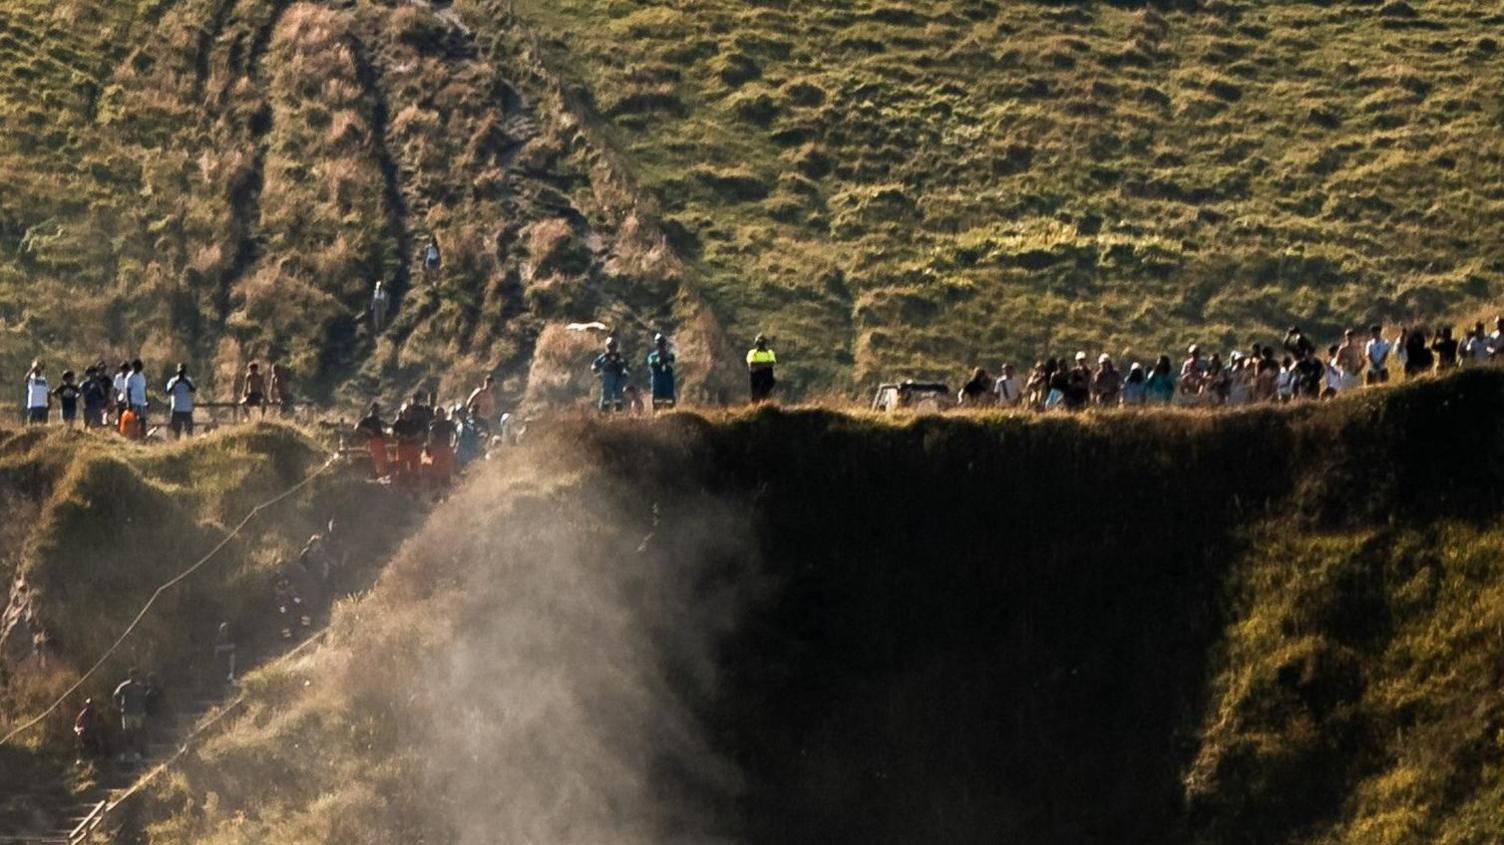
(760, 364)
(373, 429)
(130, 701)
(661, 363)
(612, 368)
(381, 302)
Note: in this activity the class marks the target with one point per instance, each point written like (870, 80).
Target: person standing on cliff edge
(760, 363)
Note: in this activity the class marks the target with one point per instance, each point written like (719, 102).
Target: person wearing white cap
(1240, 384)
(1107, 384)
(1078, 392)
(1135, 388)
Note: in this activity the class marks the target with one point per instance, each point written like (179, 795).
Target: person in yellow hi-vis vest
(760, 362)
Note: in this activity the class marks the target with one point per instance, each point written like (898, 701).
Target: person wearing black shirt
(67, 395)
(374, 430)
(1445, 347)
(411, 433)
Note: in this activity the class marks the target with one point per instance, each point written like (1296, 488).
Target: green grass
(909, 189)
(1272, 626)
(888, 189)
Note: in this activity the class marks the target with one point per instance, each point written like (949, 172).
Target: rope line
(179, 578)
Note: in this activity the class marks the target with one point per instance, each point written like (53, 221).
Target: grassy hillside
(895, 188)
(887, 188)
(222, 180)
(98, 525)
(1272, 626)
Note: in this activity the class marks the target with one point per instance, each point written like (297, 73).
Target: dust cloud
(583, 623)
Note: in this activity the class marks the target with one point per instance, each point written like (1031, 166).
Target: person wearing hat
(1135, 387)
(1078, 384)
(661, 363)
(760, 363)
(612, 368)
(1107, 384)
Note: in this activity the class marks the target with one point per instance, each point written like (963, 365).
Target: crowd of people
(618, 394)
(1296, 369)
(427, 443)
(121, 401)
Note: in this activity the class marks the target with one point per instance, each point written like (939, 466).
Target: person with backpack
(38, 395)
(180, 390)
(612, 368)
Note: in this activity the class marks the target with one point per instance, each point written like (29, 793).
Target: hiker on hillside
(1107, 383)
(130, 701)
(1496, 338)
(482, 405)
(760, 364)
(1135, 386)
(129, 425)
(381, 301)
(279, 391)
(431, 256)
(1310, 376)
(224, 655)
(67, 395)
(1445, 347)
(1351, 361)
(1161, 384)
(253, 395)
(1416, 351)
(38, 395)
(1376, 354)
(373, 429)
(1007, 389)
(441, 434)
(156, 700)
(410, 431)
(292, 614)
(612, 368)
(469, 440)
(661, 363)
(96, 395)
(136, 388)
(88, 730)
(180, 390)
(1037, 389)
(1240, 375)
(977, 389)
(1060, 387)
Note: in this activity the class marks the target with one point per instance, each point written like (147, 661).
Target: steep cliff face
(1270, 626)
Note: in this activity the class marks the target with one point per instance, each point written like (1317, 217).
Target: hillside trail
(84, 818)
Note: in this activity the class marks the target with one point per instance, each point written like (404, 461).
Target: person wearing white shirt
(135, 391)
(1009, 392)
(1377, 352)
(180, 390)
(38, 395)
(1496, 339)
(1477, 350)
